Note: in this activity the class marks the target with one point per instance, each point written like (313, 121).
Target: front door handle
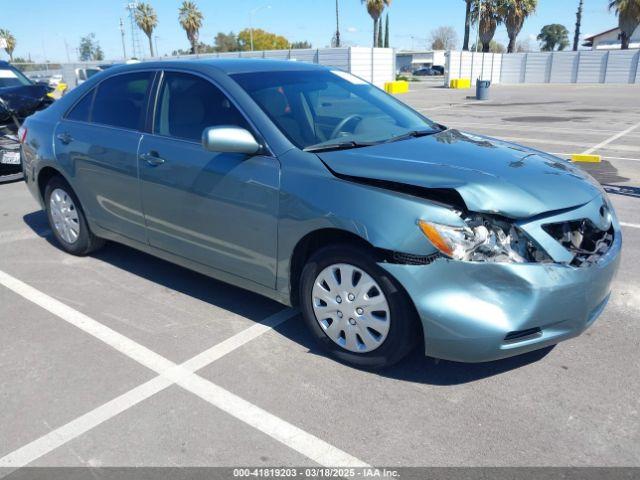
(152, 159)
(65, 138)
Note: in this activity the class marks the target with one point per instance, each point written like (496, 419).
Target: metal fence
(376, 65)
(613, 66)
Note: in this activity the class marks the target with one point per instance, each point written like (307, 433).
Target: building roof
(592, 37)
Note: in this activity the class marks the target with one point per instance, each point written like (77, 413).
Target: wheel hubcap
(351, 308)
(64, 215)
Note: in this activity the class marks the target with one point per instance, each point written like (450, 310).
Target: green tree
(554, 37)
(202, 48)
(628, 12)
(514, 13)
(467, 24)
(300, 45)
(147, 21)
(89, 49)
(11, 42)
(336, 38)
(488, 14)
(494, 47)
(190, 18)
(576, 35)
(386, 32)
(226, 42)
(262, 40)
(98, 55)
(375, 9)
(380, 34)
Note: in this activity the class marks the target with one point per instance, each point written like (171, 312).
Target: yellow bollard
(585, 158)
(399, 86)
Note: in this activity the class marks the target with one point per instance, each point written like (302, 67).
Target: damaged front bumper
(10, 165)
(476, 311)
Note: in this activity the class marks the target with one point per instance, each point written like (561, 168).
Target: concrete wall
(374, 65)
(586, 66)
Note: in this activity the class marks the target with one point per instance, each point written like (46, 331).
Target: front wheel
(67, 219)
(356, 310)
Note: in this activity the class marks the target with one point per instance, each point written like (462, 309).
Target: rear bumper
(467, 309)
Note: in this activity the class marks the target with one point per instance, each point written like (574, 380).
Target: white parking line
(543, 141)
(510, 126)
(630, 225)
(170, 373)
(611, 139)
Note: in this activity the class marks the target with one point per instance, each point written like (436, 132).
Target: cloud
(352, 29)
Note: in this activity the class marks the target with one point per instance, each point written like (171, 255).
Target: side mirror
(229, 140)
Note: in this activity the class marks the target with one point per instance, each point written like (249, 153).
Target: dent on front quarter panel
(311, 199)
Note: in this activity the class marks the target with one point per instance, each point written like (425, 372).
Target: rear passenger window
(80, 112)
(188, 104)
(120, 100)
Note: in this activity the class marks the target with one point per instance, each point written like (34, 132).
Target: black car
(427, 72)
(19, 98)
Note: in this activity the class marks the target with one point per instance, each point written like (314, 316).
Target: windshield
(12, 78)
(331, 108)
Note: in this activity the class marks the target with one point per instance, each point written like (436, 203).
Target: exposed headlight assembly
(483, 239)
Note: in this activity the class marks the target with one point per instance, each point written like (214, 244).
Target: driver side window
(188, 104)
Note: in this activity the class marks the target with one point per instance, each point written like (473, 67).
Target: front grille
(409, 259)
(583, 239)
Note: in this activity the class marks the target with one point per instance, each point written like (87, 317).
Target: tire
(76, 239)
(384, 346)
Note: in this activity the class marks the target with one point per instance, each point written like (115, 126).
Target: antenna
(136, 50)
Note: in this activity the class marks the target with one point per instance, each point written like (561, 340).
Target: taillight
(22, 134)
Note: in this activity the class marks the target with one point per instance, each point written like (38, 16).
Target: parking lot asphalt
(121, 359)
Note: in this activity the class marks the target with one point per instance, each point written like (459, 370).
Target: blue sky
(42, 27)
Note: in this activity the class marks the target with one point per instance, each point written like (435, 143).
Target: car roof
(226, 65)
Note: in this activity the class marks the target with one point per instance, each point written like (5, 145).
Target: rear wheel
(356, 310)
(67, 220)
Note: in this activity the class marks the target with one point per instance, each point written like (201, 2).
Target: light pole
(251, 14)
(66, 46)
(124, 48)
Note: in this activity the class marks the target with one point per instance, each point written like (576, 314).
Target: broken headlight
(483, 239)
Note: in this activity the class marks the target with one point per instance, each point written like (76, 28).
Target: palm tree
(628, 18)
(514, 13)
(488, 13)
(467, 25)
(191, 20)
(576, 35)
(337, 38)
(375, 9)
(11, 42)
(147, 21)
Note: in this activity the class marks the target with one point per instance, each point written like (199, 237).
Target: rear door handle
(152, 159)
(65, 138)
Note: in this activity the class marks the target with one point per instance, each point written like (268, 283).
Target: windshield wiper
(414, 134)
(338, 146)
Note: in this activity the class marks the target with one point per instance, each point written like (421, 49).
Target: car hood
(491, 176)
(22, 100)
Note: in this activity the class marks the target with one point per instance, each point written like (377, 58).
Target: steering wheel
(343, 123)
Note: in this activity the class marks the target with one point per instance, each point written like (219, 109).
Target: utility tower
(136, 49)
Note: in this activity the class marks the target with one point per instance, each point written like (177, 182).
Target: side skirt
(195, 266)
